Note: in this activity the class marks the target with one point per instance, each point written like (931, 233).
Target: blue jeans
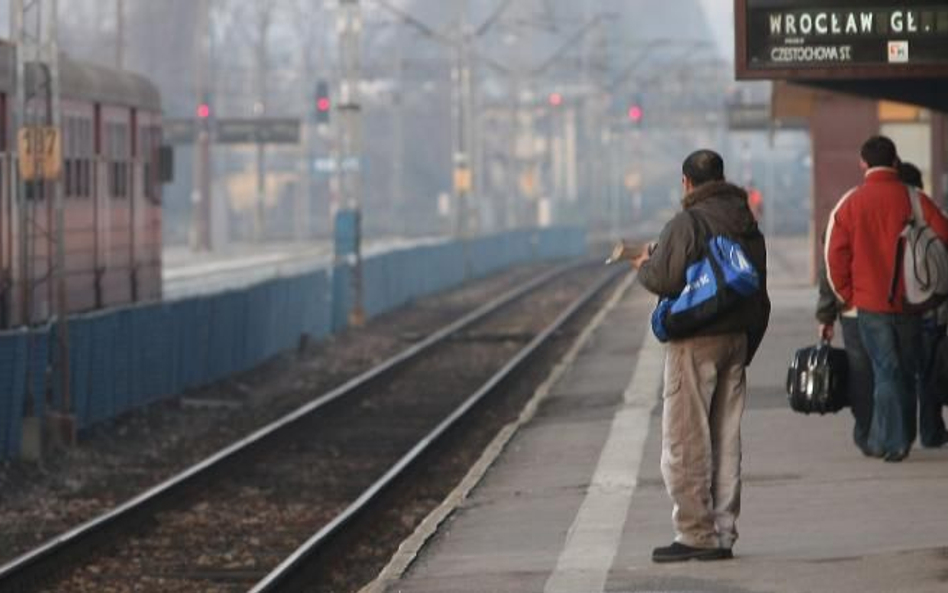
(858, 381)
(893, 342)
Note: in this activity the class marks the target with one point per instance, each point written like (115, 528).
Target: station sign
(258, 131)
(754, 116)
(758, 117)
(178, 131)
(838, 39)
(234, 131)
(350, 164)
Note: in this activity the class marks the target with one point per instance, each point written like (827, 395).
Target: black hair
(703, 166)
(879, 151)
(911, 175)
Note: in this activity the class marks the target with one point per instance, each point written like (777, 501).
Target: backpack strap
(897, 268)
(702, 232)
(916, 202)
(917, 218)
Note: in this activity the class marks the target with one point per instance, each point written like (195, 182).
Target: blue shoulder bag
(718, 281)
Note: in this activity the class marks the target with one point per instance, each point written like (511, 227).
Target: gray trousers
(704, 397)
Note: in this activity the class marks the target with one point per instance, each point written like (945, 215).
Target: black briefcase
(816, 380)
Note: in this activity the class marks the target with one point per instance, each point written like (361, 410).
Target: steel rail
(24, 567)
(287, 569)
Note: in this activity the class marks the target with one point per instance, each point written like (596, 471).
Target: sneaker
(678, 552)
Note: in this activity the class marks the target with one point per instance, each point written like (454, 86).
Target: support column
(839, 124)
(939, 189)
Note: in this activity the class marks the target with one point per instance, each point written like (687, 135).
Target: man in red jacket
(861, 241)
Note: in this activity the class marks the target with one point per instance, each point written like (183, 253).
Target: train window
(146, 151)
(85, 152)
(97, 116)
(87, 178)
(67, 177)
(69, 145)
(35, 190)
(3, 122)
(111, 153)
(69, 133)
(147, 181)
(87, 148)
(113, 179)
(118, 151)
(67, 150)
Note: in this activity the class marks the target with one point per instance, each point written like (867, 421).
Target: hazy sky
(721, 16)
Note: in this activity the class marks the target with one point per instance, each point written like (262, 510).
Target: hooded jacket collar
(881, 174)
(710, 190)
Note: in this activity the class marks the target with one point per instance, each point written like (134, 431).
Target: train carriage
(110, 122)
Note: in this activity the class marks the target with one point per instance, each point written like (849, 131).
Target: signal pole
(463, 124)
(201, 192)
(264, 19)
(350, 131)
(37, 117)
(398, 139)
(119, 34)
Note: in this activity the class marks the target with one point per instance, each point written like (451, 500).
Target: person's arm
(827, 307)
(663, 272)
(839, 253)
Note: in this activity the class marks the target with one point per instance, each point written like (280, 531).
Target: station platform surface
(187, 273)
(574, 502)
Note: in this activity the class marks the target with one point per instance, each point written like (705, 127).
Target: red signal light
(556, 99)
(635, 113)
(323, 104)
(204, 111)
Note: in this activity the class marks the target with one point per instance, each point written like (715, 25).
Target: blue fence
(124, 358)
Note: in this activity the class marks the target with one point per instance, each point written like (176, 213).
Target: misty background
(582, 161)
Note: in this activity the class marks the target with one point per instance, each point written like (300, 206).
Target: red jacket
(862, 236)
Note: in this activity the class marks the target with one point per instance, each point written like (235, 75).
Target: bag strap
(897, 268)
(916, 203)
(917, 215)
(702, 231)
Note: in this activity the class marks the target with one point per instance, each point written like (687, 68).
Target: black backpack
(816, 380)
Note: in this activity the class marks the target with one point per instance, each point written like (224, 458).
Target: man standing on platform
(705, 384)
(862, 239)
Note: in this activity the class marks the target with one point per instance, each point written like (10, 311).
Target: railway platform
(186, 273)
(573, 501)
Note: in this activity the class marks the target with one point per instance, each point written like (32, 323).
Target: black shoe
(678, 552)
(868, 452)
(938, 442)
(895, 457)
(726, 554)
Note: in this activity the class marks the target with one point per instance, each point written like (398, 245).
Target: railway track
(236, 521)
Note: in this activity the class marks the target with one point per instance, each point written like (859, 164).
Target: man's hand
(827, 331)
(643, 255)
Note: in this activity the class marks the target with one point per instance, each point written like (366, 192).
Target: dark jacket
(827, 306)
(724, 207)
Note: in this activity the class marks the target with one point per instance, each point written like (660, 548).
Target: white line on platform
(409, 549)
(594, 537)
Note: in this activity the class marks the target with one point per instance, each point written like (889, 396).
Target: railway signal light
(635, 113)
(556, 99)
(323, 102)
